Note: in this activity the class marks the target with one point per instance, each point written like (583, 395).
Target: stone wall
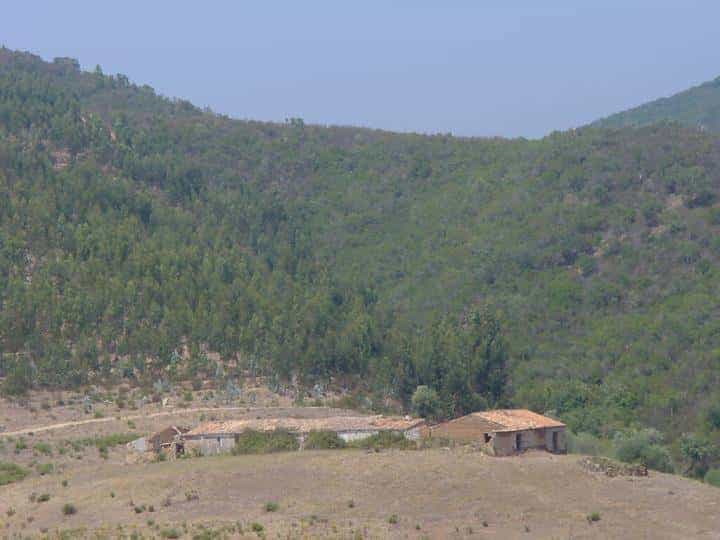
(210, 446)
(504, 443)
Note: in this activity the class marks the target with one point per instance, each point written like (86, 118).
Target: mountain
(142, 238)
(697, 107)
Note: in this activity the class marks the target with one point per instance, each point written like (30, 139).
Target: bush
(10, 472)
(712, 477)
(271, 506)
(392, 520)
(323, 440)
(257, 527)
(170, 533)
(425, 402)
(644, 446)
(587, 444)
(45, 468)
(43, 448)
(698, 452)
(264, 442)
(385, 439)
(45, 497)
(593, 517)
(68, 509)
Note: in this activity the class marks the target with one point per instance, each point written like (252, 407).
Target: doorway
(555, 440)
(518, 442)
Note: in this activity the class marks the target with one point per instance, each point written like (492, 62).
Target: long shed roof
(304, 425)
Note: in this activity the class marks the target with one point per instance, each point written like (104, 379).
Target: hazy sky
(467, 67)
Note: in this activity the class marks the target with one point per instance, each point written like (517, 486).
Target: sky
(473, 68)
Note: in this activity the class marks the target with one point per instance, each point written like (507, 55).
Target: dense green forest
(697, 107)
(576, 274)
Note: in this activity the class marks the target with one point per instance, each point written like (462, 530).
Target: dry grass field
(434, 493)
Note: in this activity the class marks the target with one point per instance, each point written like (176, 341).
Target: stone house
(219, 437)
(504, 432)
(168, 440)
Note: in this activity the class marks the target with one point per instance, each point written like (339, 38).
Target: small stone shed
(168, 440)
(219, 437)
(504, 432)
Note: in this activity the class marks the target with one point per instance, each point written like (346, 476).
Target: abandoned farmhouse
(498, 432)
(218, 437)
(504, 432)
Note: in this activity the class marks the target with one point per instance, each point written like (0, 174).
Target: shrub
(68, 509)
(271, 506)
(10, 472)
(264, 442)
(426, 402)
(43, 448)
(593, 517)
(257, 527)
(385, 439)
(392, 520)
(105, 442)
(170, 533)
(712, 477)
(587, 444)
(45, 468)
(323, 440)
(45, 497)
(698, 452)
(644, 446)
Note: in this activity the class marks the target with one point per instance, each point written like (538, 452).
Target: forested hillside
(697, 107)
(577, 274)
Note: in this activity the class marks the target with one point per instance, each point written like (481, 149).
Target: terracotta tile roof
(167, 434)
(304, 425)
(517, 419)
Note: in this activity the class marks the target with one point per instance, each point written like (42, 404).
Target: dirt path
(61, 425)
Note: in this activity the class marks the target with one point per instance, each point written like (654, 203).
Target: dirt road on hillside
(62, 425)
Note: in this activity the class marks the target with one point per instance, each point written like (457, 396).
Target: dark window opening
(555, 444)
(488, 438)
(518, 441)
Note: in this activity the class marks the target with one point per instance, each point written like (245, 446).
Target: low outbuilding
(504, 432)
(168, 440)
(219, 437)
